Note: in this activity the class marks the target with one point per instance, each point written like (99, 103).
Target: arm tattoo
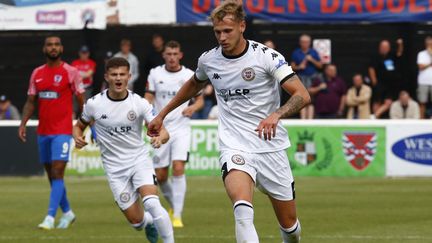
(291, 107)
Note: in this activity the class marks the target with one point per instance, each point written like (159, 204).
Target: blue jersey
(298, 56)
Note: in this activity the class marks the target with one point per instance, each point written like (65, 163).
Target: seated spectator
(404, 107)
(328, 94)
(358, 99)
(7, 110)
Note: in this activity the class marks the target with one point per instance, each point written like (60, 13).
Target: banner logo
(51, 17)
(359, 148)
(416, 149)
(306, 150)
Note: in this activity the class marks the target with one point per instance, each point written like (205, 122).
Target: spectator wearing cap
(126, 53)
(86, 68)
(7, 110)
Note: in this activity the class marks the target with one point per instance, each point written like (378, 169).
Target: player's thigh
(60, 147)
(144, 180)
(238, 173)
(44, 147)
(122, 189)
(274, 176)
(162, 156)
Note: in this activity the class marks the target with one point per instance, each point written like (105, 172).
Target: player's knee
(57, 173)
(162, 178)
(178, 168)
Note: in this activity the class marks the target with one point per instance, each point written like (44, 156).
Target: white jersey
(247, 90)
(118, 125)
(165, 85)
(425, 75)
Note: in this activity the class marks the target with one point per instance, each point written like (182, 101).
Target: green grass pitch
(330, 209)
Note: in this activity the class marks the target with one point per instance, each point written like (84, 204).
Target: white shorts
(177, 148)
(424, 92)
(124, 185)
(270, 171)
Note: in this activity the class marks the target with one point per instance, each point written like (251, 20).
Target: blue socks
(64, 203)
(57, 192)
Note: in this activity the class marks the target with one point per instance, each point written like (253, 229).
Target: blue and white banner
(191, 11)
(52, 14)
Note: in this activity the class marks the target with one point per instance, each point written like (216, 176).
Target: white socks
(178, 186)
(160, 218)
(244, 226)
(166, 189)
(292, 234)
(148, 219)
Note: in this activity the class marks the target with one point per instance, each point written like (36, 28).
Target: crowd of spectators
(380, 93)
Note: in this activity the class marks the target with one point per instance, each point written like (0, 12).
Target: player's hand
(267, 127)
(22, 133)
(156, 142)
(188, 112)
(80, 142)
(154, 127)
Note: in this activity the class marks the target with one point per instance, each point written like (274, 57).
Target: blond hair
(228, 7)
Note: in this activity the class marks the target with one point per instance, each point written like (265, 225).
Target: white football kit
(247, 90)
(165, 85)
(118, 125)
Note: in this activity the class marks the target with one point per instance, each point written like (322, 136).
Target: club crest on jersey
(125, 197)
(248, 74)
(57, 79)
(131, 115)
(238, 159)
(359, 148)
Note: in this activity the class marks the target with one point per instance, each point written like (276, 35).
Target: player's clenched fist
(154, 127)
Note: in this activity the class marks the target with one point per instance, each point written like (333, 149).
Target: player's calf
(244, 226)
(160, 218)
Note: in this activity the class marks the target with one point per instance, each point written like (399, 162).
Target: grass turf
(330, 209)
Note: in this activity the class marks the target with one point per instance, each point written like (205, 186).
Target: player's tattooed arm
(291, 107)
(299, 97)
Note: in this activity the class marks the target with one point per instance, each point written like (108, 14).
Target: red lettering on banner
(203, 8)
(352, 3)
(413, 8)
(430, 5)
(217, 2)
(325, 8)
(374, 9)
(396, 9)
(300, 3)
(272, 8)
(255, 8)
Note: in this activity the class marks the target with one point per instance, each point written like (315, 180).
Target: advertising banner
(190, 11)
(409, 150)
(315, 151)
(52, 14)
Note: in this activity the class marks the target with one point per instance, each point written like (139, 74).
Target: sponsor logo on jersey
(248, 74)
(234, 94)
(169, 94)
(125, 197)
(359, 148)
(416, 149)
(48, 95)
(216, 76)
(118, 130)
(238, 159)
(131, 115)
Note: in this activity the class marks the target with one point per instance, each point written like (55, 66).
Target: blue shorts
(54, 147)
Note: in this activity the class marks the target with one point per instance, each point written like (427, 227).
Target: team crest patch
(359, 148)
(57, 78)
(156, 159)
(131, 115)
(306, 149)
(237, 159)
(248, 74)
(125, 197)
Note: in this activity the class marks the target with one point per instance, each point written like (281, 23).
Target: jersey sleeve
(88, 112)
(277, 66)
(200, 74)
(32, 84)
(147, 110)
(76, 81)
(151, 82)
